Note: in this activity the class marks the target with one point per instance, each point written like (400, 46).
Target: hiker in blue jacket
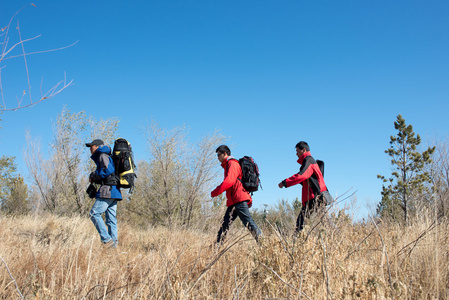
(107, 195)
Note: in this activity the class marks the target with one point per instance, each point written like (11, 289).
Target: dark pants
(242, 211)
(306, 210)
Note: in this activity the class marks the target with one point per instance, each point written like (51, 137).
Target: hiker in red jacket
(312, 183)
(238, 199)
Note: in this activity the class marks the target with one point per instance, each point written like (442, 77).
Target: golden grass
(62, 258)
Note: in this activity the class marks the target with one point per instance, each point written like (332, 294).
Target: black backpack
(250, 179)
(326, 196)
(122, 156)
(320, 164)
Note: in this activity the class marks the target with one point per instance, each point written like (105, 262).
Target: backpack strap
(227, 167)
(111, 179)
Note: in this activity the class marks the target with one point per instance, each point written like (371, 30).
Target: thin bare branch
(6, 50)
(42, 51)
(48, 95)
(25, 61)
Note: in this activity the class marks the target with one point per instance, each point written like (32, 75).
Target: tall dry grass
(62, 258)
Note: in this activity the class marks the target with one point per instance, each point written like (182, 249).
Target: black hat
(95, 142)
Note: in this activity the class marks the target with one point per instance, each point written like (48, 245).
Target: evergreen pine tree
(17, 200)
(409, 180)
(13, 190)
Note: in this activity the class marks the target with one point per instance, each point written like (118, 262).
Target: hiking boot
(110, 244)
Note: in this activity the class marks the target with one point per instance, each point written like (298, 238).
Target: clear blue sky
(268, 73)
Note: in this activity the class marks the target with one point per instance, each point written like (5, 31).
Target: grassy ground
(62, 258)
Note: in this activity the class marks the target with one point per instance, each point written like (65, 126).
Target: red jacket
(309, 174)
(235, 192)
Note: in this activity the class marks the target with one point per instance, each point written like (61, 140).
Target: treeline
(173, 182)
(176, 176)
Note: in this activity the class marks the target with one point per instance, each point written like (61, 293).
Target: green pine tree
(17, 200)
(409, 181)
(7, 171)
(13, 190)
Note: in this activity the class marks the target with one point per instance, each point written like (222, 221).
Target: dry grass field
(61, 258)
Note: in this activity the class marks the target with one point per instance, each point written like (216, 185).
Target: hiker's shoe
(110, 244)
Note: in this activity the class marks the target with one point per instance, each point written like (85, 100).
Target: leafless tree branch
(5, 55)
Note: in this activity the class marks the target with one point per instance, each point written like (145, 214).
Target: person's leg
(244, 215)
(310, 207)
(99, 207)
(228, 218)
(317, 207)
(111, 220)
(301, 218)
(303, 214)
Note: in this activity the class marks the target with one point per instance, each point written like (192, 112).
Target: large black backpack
(320, 164)
(122, 157)
(250, 179)
(326, 197)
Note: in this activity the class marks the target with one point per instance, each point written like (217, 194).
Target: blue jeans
(242, 211)
(109, 207)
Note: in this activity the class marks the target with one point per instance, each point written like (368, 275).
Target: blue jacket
(105, 168)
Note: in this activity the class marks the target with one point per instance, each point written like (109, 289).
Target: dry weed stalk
(386, 257)
(12, 277)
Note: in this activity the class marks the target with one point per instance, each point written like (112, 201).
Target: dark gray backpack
(250, 179)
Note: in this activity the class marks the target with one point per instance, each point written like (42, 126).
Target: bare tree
(41, 174)
(62, 178)
(174, 183)
(202, 173)
(166, 148)
(141, 203)
(16, 50)
(68, 149)
(102, 129)
(439, 172)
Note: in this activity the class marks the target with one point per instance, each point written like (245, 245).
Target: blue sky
(267, 73)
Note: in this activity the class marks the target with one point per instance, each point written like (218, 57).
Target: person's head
(94, 145)
(301, 148)
(223, 152)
